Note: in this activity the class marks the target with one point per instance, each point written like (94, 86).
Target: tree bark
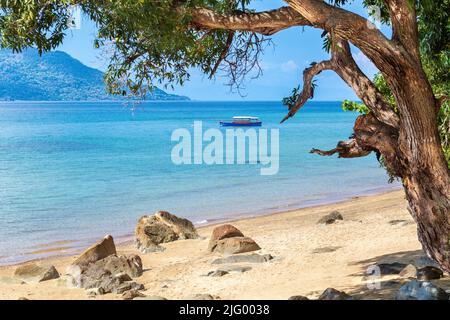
(425, 174)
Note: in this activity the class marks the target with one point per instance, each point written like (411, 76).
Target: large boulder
(223, 232)
(98, 251)
(109, 274)
(421, 290)
(183, 228)
(101, 269)
(331, 218)
(33, 273)
(236, 245)
(160, 228)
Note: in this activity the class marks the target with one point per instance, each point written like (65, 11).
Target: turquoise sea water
(73, 172)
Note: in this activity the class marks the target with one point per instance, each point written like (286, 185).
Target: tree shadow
(376, 287)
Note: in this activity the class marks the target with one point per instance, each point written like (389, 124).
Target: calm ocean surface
(72, 172)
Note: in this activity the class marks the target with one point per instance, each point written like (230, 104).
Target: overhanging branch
(345, 149)
(308, 89)
(265, 22)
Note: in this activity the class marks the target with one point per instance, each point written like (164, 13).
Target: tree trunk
(425, 174)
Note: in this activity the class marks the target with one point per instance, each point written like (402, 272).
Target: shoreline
(307, 257)
(49, 252)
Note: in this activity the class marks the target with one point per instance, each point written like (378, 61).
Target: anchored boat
(242, 121)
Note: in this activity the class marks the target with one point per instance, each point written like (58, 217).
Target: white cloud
(289, 66)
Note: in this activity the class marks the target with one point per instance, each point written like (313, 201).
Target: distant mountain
(55, 76)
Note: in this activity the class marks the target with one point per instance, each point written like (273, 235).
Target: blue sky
(293, 50)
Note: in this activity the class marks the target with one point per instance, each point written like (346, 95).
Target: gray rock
(331, 218)
(391, 268)
(251, 258)
(123, 277)
(333, 294)
(429, 273)
(408, 272)
(127, 286)
(33, 273)
(111, 274)
(217, 273)
(130, 265)
(326, 249)
(421, 290)
(298, 298)
(162, 227)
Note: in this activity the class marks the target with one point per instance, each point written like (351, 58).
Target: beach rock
(429, 273)
(217, 273)
(236, 245)
(421, 290)
(223, 232)
(183, 228)
(391, 268)
(98, 251)
(32, 273)
(131, 294)
(130, 265)
(95, 292)
(162, 227)
(298, 298)
(251, 258)
(333, 294)
(127, 286)
(124, 277)
(331, 218)
(409, 271)
(154, 298)
(326, 249)
(111, 274)
(23, 299)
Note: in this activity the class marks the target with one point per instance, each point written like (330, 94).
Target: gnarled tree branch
(265, 22)
(345, 149)
(308, 90)
(370, 135)
(349, 26)
(348, 70)
(344, 65)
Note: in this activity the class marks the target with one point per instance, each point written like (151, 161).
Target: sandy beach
(308, 257)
